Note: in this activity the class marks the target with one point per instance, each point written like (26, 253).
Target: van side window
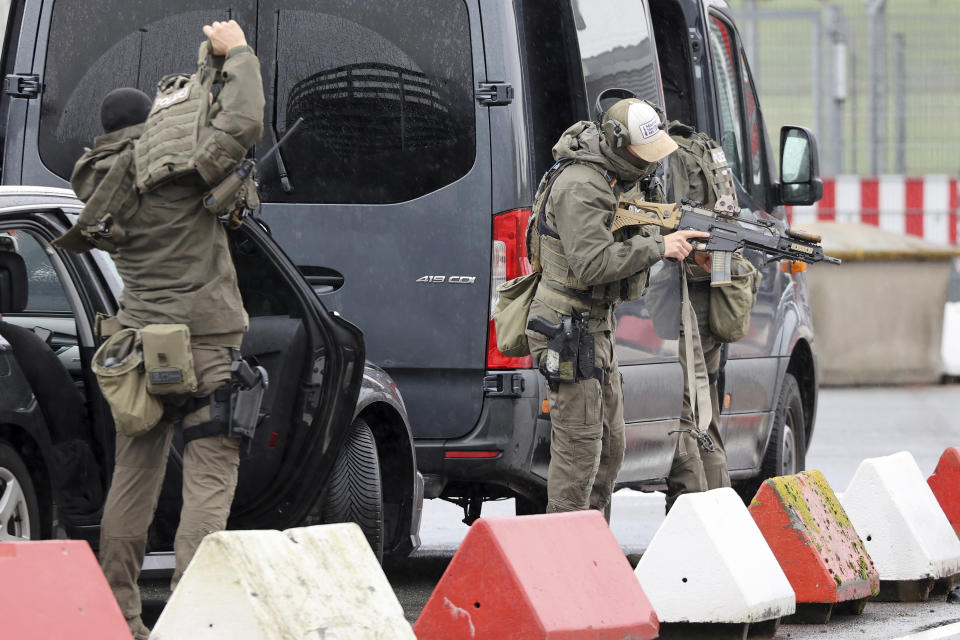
(386, 91)
(95, 47)
(722, 53)
(755, 135)
(616, 48)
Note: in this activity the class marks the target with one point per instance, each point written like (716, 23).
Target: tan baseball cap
(647, 138)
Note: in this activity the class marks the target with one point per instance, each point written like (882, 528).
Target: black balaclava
(123, 108)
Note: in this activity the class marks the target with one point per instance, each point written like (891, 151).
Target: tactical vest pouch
(118, 365)
(217, 157)
(730, 305)
(168, 359)
(510, 316)
(662, 300)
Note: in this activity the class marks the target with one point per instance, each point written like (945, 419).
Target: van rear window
(386, 93)
(95, 47)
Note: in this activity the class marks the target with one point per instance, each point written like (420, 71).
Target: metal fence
(878, 82)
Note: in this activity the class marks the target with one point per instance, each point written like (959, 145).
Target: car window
(756, 141)
(44, 290)
(95, 47)
(386, 91)
(616, 48)
(722, 48)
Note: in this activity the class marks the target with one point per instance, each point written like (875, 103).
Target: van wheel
(19, 509)
(787, 448)
(355, 491)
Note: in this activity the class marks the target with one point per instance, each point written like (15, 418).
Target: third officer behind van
(586, 272)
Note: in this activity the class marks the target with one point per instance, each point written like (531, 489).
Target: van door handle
(321, 279)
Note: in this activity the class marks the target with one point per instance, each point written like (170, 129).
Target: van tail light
(509, 260)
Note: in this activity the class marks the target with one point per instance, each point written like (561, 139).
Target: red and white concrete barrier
(815, 544)
(924, 206)
(559, 576)
(310, 582)
(903, 526)
(708, 563)
(55, 589)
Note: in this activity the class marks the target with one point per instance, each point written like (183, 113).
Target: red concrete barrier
(945, 483)
(544, 576)
(815, 543)
(55, 589)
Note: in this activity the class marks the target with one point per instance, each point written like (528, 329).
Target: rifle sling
(698, 381)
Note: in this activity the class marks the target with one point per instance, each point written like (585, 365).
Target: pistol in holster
(236, 405)
(570, 349)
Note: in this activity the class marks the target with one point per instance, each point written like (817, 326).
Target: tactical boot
(138, 630)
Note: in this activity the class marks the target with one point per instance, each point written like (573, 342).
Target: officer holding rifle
(587, 270)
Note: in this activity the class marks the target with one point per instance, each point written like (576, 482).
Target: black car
(334, 443)
(404, 196)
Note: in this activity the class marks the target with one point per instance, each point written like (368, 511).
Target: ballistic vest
(167, 147)
(560, 289)
(709, 157)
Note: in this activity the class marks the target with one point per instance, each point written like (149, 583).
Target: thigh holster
(234, 407)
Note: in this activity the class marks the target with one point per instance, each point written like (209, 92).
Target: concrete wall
(879, 322)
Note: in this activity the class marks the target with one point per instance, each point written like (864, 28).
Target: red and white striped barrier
(925, 207)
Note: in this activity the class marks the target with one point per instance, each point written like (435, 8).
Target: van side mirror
(800, 182)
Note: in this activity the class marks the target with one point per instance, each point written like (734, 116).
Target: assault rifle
(222, 198)
(726, 233)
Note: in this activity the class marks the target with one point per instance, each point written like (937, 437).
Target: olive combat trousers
(209, 479)
(695, 469)
(587, 432)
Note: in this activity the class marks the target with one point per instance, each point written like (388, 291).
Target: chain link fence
(878, 81)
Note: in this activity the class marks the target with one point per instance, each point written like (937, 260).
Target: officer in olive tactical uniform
(588, 271)
(699, 172)
(173, 257)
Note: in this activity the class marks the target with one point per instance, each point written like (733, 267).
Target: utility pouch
(661, 301)
(168, 359)
(730, 305)
(118, 365)
(510, 315)
(216, 157)
(248, 386)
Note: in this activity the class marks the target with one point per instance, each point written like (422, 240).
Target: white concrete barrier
(900, 521)
(950, 347)
(312, 582)
(709, 563)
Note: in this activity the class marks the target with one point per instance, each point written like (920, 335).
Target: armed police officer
(699, 173)
(180, 308)
(586, 272)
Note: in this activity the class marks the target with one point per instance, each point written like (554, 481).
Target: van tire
(16, 485)
(787, 447)
(355, 489)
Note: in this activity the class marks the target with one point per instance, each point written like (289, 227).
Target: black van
(403, 198)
